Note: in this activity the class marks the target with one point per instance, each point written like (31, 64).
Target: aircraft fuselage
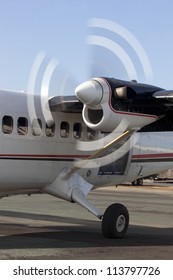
(32, 156)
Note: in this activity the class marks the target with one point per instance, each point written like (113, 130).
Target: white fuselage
(32, 157)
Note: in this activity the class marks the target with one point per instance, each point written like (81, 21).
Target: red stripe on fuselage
(145, 156)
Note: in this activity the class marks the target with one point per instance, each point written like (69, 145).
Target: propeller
(107, 103)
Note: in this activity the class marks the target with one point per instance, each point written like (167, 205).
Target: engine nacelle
(100, 114)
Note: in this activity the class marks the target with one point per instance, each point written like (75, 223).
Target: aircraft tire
(115, 221)
(137, 182)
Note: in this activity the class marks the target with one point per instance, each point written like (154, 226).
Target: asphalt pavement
(44, 227)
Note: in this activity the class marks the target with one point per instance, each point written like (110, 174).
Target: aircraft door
(143, 146)
(116, 159)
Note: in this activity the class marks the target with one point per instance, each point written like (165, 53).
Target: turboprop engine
(107, 101)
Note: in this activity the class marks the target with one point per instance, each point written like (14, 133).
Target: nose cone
(89, 93)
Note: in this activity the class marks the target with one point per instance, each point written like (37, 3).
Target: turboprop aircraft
(109, 132)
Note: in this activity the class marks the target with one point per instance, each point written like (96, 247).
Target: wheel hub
(120, 224)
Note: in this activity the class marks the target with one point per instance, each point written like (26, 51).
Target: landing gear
(115, 221)
(74, 188)
(137, 182)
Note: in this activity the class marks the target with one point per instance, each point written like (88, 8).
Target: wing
(165, 96)
(68, 104)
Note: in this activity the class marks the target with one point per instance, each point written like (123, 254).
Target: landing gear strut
(115, 221)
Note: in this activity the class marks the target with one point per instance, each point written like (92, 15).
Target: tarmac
(44, 227)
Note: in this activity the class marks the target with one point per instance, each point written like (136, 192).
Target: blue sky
(59, 27)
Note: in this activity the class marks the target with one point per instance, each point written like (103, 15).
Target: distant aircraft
(109, 132)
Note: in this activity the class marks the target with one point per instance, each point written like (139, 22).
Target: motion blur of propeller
(105, 101)
(108, 58)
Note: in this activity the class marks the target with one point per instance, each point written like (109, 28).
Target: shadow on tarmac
(74, 233)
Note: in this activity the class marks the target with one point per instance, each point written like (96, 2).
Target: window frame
(36, 129)
(22, 129)
(77, 133)
(64, 132)
(50, 128)
(9, 126)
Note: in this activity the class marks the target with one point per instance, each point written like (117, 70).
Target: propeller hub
(90, 93)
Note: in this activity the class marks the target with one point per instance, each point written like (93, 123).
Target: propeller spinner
(90, 93)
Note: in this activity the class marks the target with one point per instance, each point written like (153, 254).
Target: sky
(60, 29)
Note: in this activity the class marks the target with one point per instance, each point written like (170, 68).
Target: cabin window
(22, 126)
(64, 129)
(7, 124)
(90, 134)
(36, 127)
(77, 130)
(50, 129)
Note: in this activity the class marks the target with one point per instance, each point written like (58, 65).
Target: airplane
(111, 131)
